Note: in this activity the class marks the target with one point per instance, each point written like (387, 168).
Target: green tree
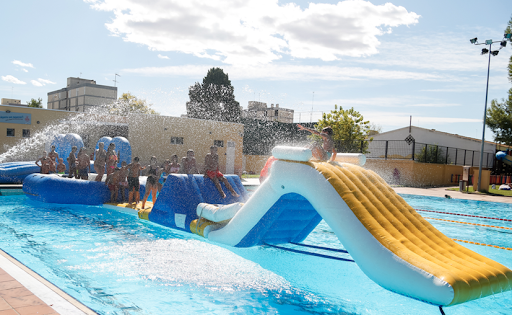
(130, 104)
(350, 130)
(214, 99)
(499, 115)
(34, 103)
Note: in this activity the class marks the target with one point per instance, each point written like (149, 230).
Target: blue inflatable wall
(56, 189)
(182, 193)
(122, 146)
(64, 143)
(16, 172)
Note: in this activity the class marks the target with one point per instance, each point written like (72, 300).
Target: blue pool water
(117, 264)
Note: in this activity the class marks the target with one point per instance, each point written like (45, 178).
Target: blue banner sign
(15, 118)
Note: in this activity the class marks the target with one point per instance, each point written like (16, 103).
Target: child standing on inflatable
(61, 169)
(211, 162)
(329, 152)
(83, 164)
(152, 181)
(54, 156)
(99, 161)
(46, 163)
(112, 182)
(134, 169)
(123, 181)
(111, 158)
(72, 163)
(189, 163)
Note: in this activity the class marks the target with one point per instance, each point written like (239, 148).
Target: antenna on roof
(115, 78)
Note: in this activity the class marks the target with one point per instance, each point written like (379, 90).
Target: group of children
(79, 166)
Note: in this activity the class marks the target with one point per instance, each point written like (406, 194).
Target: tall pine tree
(214, 99)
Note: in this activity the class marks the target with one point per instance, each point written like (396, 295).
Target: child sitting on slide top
(212, 172)
(328, 153)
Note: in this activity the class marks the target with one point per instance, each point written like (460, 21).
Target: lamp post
(503, 43)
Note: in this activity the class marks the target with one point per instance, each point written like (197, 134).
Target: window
(218, 143)
(10, 132)
(176, 140)
(26, 133)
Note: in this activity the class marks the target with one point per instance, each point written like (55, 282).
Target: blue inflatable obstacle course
(504, 157)
(290, 219)
(63, 144)
(122, 146)
(16, 172)
(56, 189)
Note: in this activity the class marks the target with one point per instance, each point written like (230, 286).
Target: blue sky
(387, 59)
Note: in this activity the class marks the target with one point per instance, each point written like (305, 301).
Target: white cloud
(24, 70)
(255, 31)
(22, 64)
(294, 73)
(44, 81)
(36, 83)
(162, 57)
(11, 79)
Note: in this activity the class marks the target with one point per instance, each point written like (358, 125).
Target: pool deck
(24, 292)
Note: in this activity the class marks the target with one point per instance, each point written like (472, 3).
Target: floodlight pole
(485, 117)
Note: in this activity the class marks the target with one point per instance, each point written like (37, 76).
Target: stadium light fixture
(489, 42)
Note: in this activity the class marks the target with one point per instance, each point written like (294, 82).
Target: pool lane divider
(308, 253)
(469, 223)
(482, 244)
(465, 215)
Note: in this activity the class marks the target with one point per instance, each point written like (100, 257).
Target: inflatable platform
(391, 243)
(52, 188)
(15, 172)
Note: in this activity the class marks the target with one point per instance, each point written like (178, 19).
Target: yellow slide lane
(400, 229)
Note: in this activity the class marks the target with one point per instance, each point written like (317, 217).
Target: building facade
(80, 95)
(10, 101)
(259, 110)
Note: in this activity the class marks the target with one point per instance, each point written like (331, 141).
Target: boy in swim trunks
(83, 164)
(189, 163)
(72, 163)
(112, 182)
(134, 169)
(61, 168)
(211, 162)
(54, 156)
(123, 181)
(329, 152)
(46, 163)
(99, 161)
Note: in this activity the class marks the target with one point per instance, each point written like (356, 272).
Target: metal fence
(420, 152)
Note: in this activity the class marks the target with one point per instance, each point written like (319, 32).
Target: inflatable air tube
(292, 153)
(56, 189)
(16, 172)
(504, 157)
(353, 158)
(64, 143)
(124, 149)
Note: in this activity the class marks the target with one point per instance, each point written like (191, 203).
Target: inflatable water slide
(392, 244)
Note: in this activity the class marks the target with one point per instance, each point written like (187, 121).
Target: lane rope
(483, 244)
(309, 253)
(469, 223)
(466, 215)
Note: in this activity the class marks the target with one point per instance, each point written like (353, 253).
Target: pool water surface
(117, 264)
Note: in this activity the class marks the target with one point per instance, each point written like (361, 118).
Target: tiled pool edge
(57, 299)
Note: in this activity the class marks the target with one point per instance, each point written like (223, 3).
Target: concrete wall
(409, 173)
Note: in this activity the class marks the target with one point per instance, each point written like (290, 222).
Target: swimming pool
(117, 264)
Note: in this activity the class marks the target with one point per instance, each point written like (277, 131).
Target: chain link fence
(420, 152)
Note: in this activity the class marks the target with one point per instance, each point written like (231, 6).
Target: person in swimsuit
(134, 169)
(45, 163)
(211, 161)
(61, 169)
(151, 182)
(189, 163)
(72, 163)
(174, 167)
(165, 170)
(329, 152)
(111, 158)
(123, 181)
(112, 182)
(83, 164)
(54, 156)
(99, 161)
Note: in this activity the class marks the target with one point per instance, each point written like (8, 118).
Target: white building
(259, 110)
(454, 149)
(80, 95)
